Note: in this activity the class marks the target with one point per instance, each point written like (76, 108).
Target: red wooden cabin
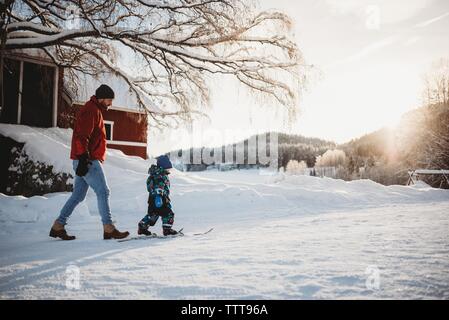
(35, 95)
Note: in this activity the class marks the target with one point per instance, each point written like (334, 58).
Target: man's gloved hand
(83, 163)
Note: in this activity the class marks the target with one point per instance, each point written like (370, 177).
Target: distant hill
(299, 139)
(420, 140)
(291, 147)
(301, 148)
(376, 144)
(410, 139)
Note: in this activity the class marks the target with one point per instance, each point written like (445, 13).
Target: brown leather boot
(58, 231)
(110, 232)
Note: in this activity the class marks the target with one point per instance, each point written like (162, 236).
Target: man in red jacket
(88, 152)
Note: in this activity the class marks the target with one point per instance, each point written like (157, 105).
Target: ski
(153, 236)
(156, 236)
(201, 233)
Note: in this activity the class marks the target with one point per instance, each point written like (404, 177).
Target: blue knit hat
(164, 162)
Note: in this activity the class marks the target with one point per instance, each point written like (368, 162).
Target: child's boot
(167, 223)
(143, 229)
(168, 231)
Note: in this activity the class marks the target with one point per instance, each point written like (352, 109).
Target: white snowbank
(206, 192)
(49, 145)
(52, 146)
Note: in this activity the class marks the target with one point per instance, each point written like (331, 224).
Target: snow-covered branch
(175, 42)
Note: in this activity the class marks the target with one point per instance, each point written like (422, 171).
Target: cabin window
(109, 126)
(30, 93)
(37, 95)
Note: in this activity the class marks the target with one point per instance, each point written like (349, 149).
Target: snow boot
(169, 231)
(143, 229)
(58, 231)
(62, 234)
(113, 233)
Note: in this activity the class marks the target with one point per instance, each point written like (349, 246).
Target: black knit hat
(104, 92)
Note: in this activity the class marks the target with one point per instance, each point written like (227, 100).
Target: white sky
(372, 55)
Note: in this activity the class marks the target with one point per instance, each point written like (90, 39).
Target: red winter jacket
(89, 133)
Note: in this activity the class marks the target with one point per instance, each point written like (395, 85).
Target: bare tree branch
(176, 43)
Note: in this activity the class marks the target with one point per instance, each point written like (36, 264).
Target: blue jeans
(95, 179)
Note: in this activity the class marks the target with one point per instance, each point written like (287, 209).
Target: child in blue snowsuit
(158, 186)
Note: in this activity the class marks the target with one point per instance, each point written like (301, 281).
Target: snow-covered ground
(276, 236)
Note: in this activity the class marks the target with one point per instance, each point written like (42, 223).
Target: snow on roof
(429, 171)
(33, 54)
(124, 99)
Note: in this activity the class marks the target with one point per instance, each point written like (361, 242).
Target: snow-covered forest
(420, 139)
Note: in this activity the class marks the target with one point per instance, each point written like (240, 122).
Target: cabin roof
(125, 100)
